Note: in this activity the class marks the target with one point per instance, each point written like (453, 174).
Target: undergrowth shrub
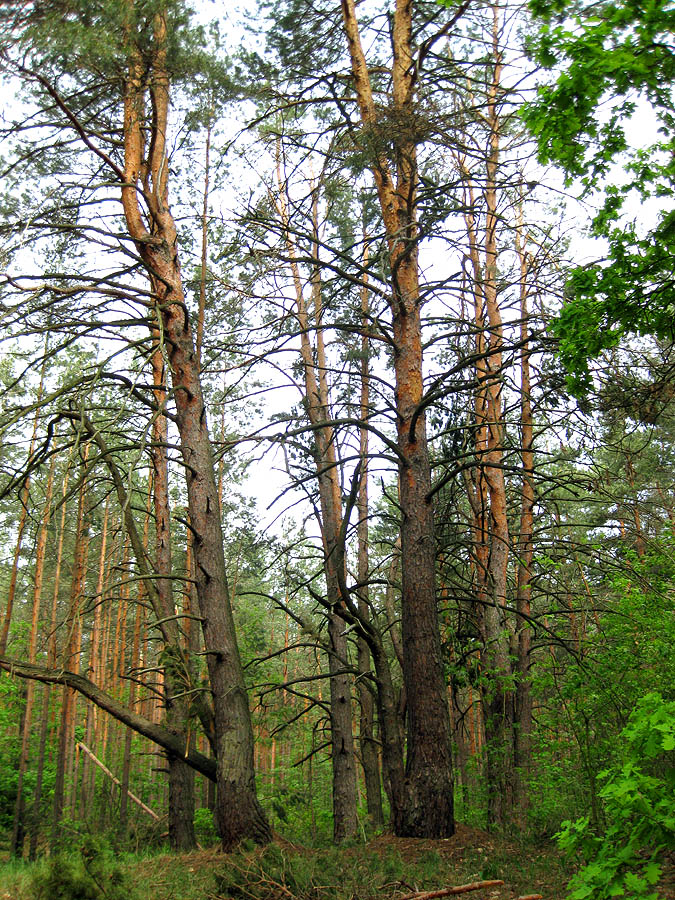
(205, 828)
(639, 806)
(88, 874)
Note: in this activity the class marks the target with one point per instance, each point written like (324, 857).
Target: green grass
(382, 870)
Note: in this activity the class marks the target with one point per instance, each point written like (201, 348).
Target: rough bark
(154, 231)
(428, 804)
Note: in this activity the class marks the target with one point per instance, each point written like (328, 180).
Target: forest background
(337, 479)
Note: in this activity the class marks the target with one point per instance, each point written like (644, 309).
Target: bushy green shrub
(205, 828)
(639, 806)
(88, 874)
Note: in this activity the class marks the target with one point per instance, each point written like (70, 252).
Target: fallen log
(116, 781)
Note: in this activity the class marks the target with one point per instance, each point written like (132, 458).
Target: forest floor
(385, 868)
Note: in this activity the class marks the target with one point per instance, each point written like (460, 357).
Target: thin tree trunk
(51, 661)
(70, 660)
(488, 499)
(500, 698)
(91, 730)
(345, 821)
(201, 312)
(123, 822)
(18, 827)
(88, 753)
(24, 497)
(523, 702)
(369, 751)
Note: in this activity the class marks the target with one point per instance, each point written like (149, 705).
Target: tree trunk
(428, 809)
(18, 827)
(123, 823)
(317, 402)
(51, 661)
(24, 498)
(239, 813)
(91, 730)
(369, 752)
(70, 660)
(523, 702)
(178, 671)
(499, 705)
(488, 497)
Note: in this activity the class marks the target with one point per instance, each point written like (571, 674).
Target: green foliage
(633, 292)
(92, 37)
(88, 875)
(610, 54)
(205, 828)
(585, 701)
(600, 48)
(639, 803)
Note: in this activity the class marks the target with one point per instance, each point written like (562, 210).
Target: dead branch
(116, 781)
(451, 891)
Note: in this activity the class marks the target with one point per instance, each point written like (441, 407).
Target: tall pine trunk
(51, 661)
(70, 660)
(487, 494)
(18, 827)
(177, 671)
(428, 802)
(368, 745)
(317, 403)
(153, 229)
(498, 701)
(523, 703)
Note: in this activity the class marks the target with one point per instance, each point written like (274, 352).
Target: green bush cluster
(88, 874)
(639, 804)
